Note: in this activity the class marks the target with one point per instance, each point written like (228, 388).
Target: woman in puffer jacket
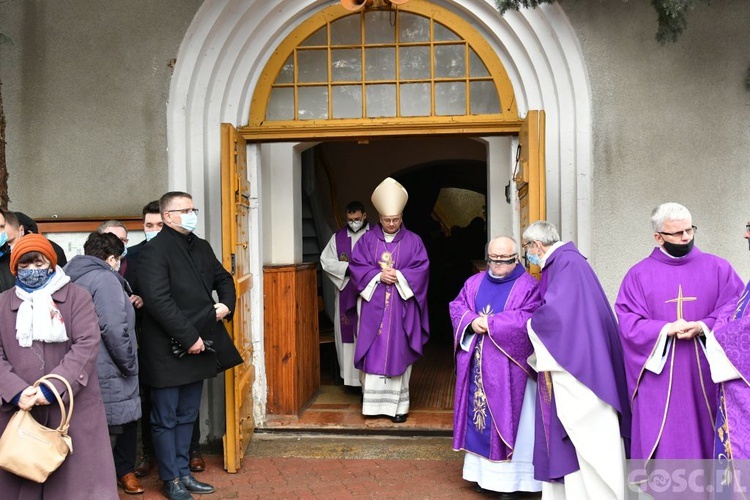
(117, 363)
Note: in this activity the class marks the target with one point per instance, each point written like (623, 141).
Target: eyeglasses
(501, 259)
(394, 220)
(526, 245)
(185, 211)
(688, 232)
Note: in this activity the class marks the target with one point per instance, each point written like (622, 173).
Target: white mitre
(389, 198)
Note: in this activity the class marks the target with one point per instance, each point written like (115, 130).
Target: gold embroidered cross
(680, 299)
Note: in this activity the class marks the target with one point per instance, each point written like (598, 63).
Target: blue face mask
(150, 235)
(3, 238)
(124, 253)
(534, 259)
(34, 278)
(189, 221)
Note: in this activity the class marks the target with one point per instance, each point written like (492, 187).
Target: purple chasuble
(347, 296)
(502, 367)
(674, 412)
(392, 331)
(733, 422)
(576, 325)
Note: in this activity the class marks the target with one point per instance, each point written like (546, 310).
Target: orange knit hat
(31, 243)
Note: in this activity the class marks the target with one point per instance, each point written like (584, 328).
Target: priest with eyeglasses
(667, 303)
(493, 413)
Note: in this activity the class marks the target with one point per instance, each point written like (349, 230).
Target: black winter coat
(176, 275)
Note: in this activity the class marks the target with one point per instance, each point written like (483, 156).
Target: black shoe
(195, 486)
(144, 466)
(399, 419)
(174, 490)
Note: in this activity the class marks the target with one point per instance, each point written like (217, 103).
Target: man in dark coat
(7, 280)
(183, 340)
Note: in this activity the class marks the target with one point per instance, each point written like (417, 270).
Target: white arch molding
(229, 42)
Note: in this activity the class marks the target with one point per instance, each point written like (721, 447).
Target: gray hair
(502, 236)
(668, 211)
(111, 223)
(541, 231)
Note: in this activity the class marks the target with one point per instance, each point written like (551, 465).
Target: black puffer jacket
(117, 364)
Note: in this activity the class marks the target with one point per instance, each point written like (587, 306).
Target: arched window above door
(386, 69)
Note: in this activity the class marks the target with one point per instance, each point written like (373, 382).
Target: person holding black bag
(177, 275)
(49, 326)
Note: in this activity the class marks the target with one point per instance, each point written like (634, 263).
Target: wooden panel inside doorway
(291, 336)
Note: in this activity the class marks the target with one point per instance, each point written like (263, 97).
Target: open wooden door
(529, 176)
(235, 206)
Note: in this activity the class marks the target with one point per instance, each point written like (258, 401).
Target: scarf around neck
(38, 317)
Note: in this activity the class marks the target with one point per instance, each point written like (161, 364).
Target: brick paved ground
(329, 468)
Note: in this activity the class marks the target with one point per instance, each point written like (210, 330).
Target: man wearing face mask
(666, 305)
(583, 414)
(335, 263)
(493, 413)
(183, 338)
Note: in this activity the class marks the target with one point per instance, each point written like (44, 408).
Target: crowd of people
(555, 388)
(135, 331)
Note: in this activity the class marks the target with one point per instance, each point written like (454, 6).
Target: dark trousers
(173, 414)
(146, 441)
(125, 448)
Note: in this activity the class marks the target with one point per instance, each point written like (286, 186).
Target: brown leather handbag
(31, 450)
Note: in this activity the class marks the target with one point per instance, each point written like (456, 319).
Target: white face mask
(356, 225)
(189, 221)
(150, 234)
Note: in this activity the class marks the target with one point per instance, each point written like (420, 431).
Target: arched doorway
(222, 61)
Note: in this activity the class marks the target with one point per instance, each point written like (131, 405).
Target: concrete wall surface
(85, 87)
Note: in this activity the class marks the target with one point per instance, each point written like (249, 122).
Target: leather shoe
(130, 484)
(399, 419)
(145, 464)
(195, 486)
(174, 490)
(197, 464)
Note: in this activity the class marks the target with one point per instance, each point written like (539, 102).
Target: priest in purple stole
(493, 413)
(582, 412)
(335, 263)
(666, 305)
(390, 271)
(726, 348)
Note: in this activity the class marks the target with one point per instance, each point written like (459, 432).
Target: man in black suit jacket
(183, 339)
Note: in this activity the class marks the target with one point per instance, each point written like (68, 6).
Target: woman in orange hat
(48, 325)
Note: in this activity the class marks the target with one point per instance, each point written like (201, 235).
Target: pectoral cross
(680, 299)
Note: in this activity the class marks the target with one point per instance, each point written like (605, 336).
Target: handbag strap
(65, 415)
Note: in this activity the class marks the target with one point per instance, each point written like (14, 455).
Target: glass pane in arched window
(313, 103)
(413, 28)
(381, 101)
(281, 104)
(415, 99)
(477, 68)
(380, 27)
(346, 31)
(450, 98)
(286, 75)
(346, 65)
(443, 34)
(450, 61)
(347, 101)
(414, 63)
(484, 98)
(380, 64)
(312, 66)
(317, 39)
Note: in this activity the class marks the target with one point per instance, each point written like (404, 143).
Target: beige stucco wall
(85, 87)
(671, 123)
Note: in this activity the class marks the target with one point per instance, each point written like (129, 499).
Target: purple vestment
(576, 325)
(733, 423)
(503, 351)
(674, 411)
(392, 331)
(347, 296)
